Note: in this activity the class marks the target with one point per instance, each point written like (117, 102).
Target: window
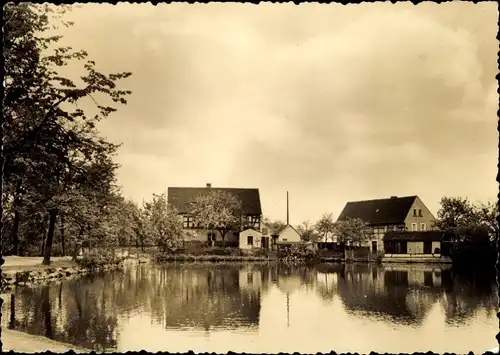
(250, 240)
(413, 227)
(264, 231)
(422, 226)
(420, 213)
(187, 222)
(284, 239)
(415, 213)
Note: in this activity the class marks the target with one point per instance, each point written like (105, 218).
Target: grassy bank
(29, 270)
(13, 264)
(27, 343)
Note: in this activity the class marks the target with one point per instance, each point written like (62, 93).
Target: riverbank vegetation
(473, 230)
(60, 191)
(59, 178)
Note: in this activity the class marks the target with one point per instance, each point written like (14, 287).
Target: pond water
(263, 308)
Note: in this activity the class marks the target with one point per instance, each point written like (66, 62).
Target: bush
(297, 254)
(97, 258)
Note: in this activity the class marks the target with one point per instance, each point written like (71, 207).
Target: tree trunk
(15, 226)
(15, 237)
(77, 245)
(63, 246)
(50, 237)
(223, 236)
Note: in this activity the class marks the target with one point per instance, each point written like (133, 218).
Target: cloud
(333, 102)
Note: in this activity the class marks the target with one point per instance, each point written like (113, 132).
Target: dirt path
(24, 263)
(27, 343)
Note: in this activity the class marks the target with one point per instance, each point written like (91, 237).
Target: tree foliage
(352, 230)
(326, 225)
(308, 231)
(217, 211)
(466, 221)
(162, 224)
(275, 226)
(56, 167)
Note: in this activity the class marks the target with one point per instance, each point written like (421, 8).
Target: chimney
(209, 185)
(287, 211)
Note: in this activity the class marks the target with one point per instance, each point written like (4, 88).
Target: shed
(288, 234)
(428, 242)
(250, 239)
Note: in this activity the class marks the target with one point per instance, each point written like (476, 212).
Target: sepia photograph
(250, 177)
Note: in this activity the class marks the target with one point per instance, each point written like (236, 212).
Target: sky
(332, 103)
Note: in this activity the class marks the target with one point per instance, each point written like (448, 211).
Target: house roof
(252, 229)
(285, 227)
(414, 236)
(181, 197)
(379, 212)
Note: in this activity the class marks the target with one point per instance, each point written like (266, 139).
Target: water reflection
(272, 304)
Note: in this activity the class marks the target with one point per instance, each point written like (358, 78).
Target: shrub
(297, 254)
(97, 258)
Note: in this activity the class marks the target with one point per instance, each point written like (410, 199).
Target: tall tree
(487, 215)
(307, 231)
(44, 126)
(217, 211)
(459, 217)
(325, 225)
(163, 224)
(353, 230)
(275, 226)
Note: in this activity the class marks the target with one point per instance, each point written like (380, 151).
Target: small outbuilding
(250, 238)
(413, 243)
(288, 234)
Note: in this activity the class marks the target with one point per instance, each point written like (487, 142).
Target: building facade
(181, 199)
(390, 214)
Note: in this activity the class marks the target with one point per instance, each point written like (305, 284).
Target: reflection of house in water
(289, 281)
(404, 293)
(250, 278)
(327, 279)
(210, 298)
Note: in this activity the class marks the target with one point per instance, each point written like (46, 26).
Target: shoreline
(27, 343)
(29, 273)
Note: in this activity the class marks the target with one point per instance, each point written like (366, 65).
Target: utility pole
(287, 210)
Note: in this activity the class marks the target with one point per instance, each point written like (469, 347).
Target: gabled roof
(285, 227)
(434, 236)
(252, 229)
(181, 197)
(379, 212)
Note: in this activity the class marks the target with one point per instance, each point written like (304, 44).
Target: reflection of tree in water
(49, 311)
(405, 294)
(85, 311)
(467, 291)
(360, 290)
(327, 278)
